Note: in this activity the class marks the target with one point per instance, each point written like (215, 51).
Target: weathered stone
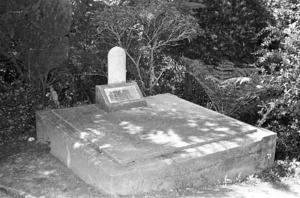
(171, 143)
(119, 96)
(116, 65)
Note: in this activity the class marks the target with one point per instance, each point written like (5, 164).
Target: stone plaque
(122, 94)
(119, 96)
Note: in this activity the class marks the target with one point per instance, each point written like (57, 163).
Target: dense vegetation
(238, 57)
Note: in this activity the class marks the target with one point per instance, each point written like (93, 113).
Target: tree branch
(136, 64)
(158, 78)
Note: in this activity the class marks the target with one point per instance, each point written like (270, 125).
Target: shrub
(19, 102)
(280, 112)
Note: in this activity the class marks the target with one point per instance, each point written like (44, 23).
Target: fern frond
(231, 90)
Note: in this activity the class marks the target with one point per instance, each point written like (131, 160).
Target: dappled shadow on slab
(165, 126)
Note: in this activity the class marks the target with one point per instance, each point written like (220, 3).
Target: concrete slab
(170, 143)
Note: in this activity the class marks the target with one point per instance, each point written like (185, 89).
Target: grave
(127, 144)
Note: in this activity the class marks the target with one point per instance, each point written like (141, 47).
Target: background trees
(144, 29)
(230, 31)
(34, 37)
(34, 45)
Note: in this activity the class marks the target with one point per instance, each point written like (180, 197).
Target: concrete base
(170, 144)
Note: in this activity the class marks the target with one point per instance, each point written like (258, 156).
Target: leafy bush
(281, 60)
(231, 91)
(19, 102)
(230, 31)
(87, 61)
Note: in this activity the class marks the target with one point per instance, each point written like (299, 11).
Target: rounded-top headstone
(116, 65)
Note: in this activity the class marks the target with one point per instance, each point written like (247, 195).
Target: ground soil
(28, 170)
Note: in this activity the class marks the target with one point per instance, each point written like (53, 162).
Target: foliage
(33, 45)
(84, 54)
(281, 60)
(230, 31)
(288, 168)
(233, 94)
(173, 77)
(144, 30)
(34, 33)
(87, 61)
(18, 105)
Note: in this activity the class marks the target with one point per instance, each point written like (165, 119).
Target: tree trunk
(54, 96)
(152, 71)
(43, 93)
(188, 86)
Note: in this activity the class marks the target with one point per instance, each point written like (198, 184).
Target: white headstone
(116, 65)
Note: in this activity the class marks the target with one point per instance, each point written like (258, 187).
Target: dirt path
(28, 170)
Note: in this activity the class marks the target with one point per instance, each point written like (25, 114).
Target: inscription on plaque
(119, 96)
(122, 94)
